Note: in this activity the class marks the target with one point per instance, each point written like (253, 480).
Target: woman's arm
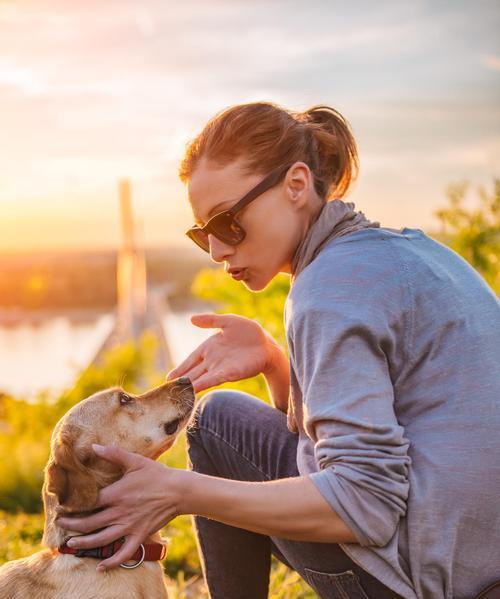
(150, 494)
(278, 379)
(291, 508)
(351, 335)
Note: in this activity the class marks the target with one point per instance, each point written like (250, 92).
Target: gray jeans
(237, 436)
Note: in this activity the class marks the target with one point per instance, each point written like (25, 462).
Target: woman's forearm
(291, 508)
(278, 380)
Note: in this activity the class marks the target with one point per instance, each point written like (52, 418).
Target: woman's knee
(215, 422)
(215, 412)
(237, 435)
(218, 406)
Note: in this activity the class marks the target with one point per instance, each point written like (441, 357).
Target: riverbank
(43, 350)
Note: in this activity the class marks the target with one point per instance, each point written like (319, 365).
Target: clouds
(91, 91)
(491, 62)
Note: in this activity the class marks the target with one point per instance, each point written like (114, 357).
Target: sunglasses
(224, 225)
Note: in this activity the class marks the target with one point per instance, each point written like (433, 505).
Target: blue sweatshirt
(394, 344)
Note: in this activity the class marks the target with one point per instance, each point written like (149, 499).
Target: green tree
(265, 307)
(475, 233)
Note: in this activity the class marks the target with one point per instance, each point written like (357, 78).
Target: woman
(378, 474)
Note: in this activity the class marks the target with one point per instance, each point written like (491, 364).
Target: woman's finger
(209, 321)
(197, 371)
(116, 455)
(124, 554)
(88, 523)
(210, 379)
(192, 360)
(98, 539)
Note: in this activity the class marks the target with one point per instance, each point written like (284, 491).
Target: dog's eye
(125, 399)
(171, 427)
(87, 459)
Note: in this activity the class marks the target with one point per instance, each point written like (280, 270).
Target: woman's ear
(67, 474)
(298, 180)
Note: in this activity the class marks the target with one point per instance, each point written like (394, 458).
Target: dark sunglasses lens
(226, 229)
(200, 238)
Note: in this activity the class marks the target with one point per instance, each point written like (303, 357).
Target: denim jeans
(237, 436)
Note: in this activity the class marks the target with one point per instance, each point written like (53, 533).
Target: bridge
(140, 307)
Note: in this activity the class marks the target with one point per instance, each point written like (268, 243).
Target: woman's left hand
(136, 506)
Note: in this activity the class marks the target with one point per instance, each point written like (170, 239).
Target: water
(50, 354)
(183, 337)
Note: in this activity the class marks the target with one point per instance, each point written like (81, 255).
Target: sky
(92, 92)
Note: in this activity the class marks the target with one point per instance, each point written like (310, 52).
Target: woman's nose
(218, 249)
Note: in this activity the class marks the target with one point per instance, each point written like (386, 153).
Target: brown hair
(269, 136)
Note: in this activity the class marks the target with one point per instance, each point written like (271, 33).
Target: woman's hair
(268, 136)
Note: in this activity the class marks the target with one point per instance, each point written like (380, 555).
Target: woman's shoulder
(359, 240)
(371, 252)
(359, 277)
(364, 259)
(394, 269)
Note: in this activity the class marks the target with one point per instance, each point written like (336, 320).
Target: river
(47, 355)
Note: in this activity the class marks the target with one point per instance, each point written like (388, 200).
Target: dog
(146, 424)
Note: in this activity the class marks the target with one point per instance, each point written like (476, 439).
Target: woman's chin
(255, 283)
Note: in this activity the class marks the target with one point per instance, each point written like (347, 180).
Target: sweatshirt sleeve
(359, 447)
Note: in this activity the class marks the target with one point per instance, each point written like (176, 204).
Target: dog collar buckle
(138, 562)
(96, 552)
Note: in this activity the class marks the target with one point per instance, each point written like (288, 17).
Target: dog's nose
(184, 381)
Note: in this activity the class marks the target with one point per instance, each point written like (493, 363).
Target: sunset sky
(95, 90)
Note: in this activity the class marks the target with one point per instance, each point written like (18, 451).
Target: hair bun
(267, 136)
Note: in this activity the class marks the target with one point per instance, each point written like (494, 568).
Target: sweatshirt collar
(335, 219)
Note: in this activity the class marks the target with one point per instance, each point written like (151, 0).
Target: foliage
(266, 307)
(475, 233)
(26, 427)
(20, 535)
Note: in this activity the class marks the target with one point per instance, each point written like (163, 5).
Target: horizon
(175, 246)
(171, 246)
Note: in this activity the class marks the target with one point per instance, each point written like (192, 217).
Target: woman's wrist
(275, 357)
(180, 485)
(277, 375)
(190, 488)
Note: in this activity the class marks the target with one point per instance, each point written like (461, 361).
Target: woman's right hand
(241, 349)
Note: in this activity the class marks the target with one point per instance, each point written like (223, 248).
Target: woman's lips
(238, 274)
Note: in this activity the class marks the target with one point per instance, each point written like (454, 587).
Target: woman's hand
(241, 349)
(146, 498)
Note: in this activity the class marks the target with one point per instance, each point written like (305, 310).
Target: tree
(475, 233)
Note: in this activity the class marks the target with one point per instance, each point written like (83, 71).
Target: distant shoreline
(12, 317)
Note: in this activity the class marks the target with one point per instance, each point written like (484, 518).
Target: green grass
(20, 535)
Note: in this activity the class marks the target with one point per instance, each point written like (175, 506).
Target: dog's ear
(68, 475)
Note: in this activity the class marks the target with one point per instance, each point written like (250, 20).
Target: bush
(475, 233)
(26, 427)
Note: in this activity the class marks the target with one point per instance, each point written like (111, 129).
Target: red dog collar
(150, 552)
